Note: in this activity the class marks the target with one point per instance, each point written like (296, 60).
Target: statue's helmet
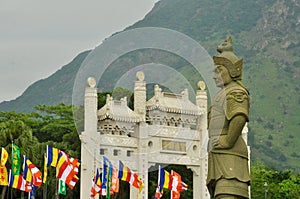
(228, 59)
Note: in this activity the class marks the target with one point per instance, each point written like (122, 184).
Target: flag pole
(56, 188)
(45, 190)
(12, 155)
(45, 187)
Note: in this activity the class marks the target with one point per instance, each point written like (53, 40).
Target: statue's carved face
(221, 76)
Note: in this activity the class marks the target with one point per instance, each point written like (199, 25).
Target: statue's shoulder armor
(237, 102)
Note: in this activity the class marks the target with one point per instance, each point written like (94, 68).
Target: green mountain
(266, 33)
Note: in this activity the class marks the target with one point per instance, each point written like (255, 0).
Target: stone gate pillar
(89, 148)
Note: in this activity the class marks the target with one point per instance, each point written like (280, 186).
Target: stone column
(141, 161)
(200, 178)
(143, 158)
(89, 148)
(201, 101)
(199, 187)
(140, 95)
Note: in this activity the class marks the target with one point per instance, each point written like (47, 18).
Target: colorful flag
(114, 181)
(18, 182)
(184, 186)
(96, 186)
(26, 172)
(31, 195)
(36, 174)
(129, 176)
(16, 160)
(67, 169)
(72, 181)
(3, 170)
(176, 185)
(62, 189)
(4, 157)
(75, 163)
(3, 176)
(45, 169)
(158, 193)
(164, 179)
(106, 177)
(171, 181)
(52, 156)
(124, 172)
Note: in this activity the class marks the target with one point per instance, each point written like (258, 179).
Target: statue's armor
(229, 102)
(223, 176)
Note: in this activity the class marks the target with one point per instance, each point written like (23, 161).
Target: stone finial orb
(140, 76)
(91, 81)
(201, 85)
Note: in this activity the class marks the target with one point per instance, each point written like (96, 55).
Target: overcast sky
(38, 37)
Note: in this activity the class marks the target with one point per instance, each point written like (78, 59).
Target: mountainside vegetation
(266, 33)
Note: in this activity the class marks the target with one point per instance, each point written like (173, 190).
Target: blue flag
(106, 177)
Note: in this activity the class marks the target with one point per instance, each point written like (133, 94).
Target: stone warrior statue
(228, 172)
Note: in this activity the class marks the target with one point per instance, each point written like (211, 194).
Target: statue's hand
(223, 143)
(220, 142)
(213, 141)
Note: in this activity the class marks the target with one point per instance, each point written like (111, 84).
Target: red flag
(67, 168)
(114, 181)
(176, 185)
(158, 193)
(96, 187)
(35, 172)
(129, 176)
(19, 182)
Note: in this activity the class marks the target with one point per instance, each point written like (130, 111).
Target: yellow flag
(45, 169)
(4, 157)
(3, 176)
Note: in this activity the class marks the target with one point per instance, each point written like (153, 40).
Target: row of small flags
(29, 178)
(67, 169)
(171, 181)
(108, 184)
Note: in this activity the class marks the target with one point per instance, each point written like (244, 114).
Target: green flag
(16, 160)
(109, 182)
(62, 189)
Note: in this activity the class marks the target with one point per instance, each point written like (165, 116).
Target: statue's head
(228, 59)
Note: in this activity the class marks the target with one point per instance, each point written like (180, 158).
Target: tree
(52, 125)
(19, 133)
(280, 184)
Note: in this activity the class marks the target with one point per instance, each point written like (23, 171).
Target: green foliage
(102, 98)
(56, 121)
(117, 94)
(277, 184)
(52, 125)
(16, 131)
